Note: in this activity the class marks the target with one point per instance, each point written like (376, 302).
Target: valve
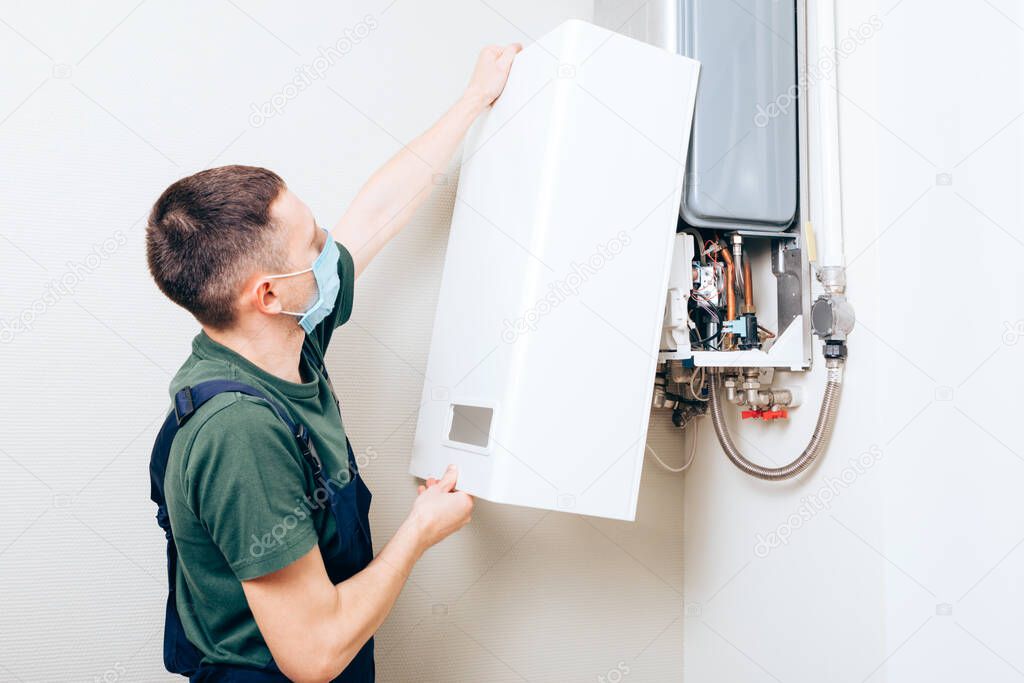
(779, 414)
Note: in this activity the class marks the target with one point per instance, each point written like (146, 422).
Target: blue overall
(350, 505)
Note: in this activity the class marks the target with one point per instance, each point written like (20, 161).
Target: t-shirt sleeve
(342, 310)
(247, 485)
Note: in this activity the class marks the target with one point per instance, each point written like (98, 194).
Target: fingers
(508, 53)
(502, 51)
(447, 482)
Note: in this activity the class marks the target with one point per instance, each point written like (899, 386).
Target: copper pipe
(748, 288)
(730, 284)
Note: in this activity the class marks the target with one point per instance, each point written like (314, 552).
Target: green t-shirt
(237, 487)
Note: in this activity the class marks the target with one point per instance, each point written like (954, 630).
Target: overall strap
(190, 399)
(180, 655)
(316, 361)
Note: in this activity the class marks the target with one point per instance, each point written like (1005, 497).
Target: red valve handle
(780, 414)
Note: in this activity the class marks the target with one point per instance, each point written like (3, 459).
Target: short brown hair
(206, 233)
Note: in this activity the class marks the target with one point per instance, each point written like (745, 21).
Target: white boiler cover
(545, 343)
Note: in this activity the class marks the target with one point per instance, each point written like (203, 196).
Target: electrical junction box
(551, 310)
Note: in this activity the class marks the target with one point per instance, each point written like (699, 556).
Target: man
(274, 576)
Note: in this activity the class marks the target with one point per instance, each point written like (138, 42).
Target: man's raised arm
(393, 193)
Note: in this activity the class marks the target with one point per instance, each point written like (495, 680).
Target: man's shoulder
(230, 436)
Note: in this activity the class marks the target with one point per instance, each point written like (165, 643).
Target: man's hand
(491, 72)
(439, 510)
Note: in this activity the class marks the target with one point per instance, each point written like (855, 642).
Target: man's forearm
(315, 628)
(392, 195)
(365, 599)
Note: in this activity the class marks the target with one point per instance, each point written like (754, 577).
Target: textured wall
(105, 107)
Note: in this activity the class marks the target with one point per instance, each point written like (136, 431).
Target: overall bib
(350, 505)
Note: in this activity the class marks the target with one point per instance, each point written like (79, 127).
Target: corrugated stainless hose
(819, 438)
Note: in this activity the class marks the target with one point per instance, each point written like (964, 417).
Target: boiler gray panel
(742, 169)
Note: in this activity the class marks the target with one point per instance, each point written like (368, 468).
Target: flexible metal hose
(819, 438)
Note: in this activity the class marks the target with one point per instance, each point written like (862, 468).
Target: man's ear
(263, 297)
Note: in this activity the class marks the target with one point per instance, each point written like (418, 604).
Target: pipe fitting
(819, 437)
(736, 240)
(832, 317)
(833, 279)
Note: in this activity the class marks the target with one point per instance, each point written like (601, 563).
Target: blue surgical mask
(325, 270)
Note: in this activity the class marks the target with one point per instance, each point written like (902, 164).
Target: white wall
(103, 107)
(911, 573)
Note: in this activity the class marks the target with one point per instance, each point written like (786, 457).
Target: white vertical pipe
(823, 124)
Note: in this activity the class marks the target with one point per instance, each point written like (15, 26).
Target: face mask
(325, 270)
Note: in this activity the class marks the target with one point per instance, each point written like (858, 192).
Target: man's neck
(270, 347)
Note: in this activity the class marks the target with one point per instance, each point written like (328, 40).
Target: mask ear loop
(297, 272)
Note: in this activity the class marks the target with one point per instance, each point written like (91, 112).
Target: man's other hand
(440, 510)
(491, 72)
